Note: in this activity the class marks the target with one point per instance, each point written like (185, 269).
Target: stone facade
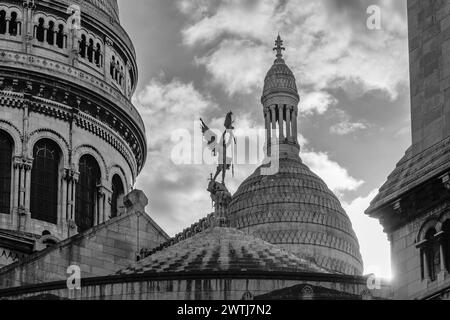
(413, 205)
(67, 74)
(200, 287)
(429, 43)
(101, 251)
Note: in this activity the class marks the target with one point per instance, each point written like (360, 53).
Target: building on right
(414, 204)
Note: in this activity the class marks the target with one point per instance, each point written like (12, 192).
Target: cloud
(346, 126)
(230, 64)
(317, 102)
(328, 45)
(336, 177)
(175, 191)
(180, 190)
(375, 248)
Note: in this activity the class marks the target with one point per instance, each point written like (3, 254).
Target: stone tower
(292, 207)
(71, 142)
(280, 101)
(413, 205)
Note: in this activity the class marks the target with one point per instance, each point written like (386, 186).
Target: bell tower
(414, 204)
(429, 48)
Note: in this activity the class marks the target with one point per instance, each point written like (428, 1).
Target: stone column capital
(71, 175)
(22, 162)
(103, 191)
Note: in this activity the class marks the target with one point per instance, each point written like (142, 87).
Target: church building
(72, 145)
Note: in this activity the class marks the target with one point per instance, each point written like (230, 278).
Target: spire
(279, 49)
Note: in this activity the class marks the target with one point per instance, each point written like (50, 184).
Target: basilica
(72, 145)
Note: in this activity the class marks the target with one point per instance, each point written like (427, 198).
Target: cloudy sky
(202, 58)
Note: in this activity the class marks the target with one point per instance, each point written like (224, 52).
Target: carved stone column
(288, 123)
(274, 119)
(71, 179)
(27, 35)
(106, 208)
(268, 130)
(104, 211)
(294, 125)
(440, 237)
(281, 121)
(22, 170)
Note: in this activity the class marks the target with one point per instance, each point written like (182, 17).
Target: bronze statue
(220, 149)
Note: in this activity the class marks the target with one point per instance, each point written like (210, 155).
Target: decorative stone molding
(20, 162)
(50, 134)
(14, 132)
(71, 175)
(74, 75)
(126, 146)
(82, 150)
(446, 180)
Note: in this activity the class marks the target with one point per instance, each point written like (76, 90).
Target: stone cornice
(71, 74)
(64, 105)
(83, 121)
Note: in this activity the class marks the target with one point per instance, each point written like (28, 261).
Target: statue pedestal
(221, 198)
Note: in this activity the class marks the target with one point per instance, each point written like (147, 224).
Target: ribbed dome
(280, 79)
(295, 210)
(109, 6)
(222, 250)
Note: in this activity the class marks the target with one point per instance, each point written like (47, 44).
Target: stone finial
(279, 49)
(135, 201)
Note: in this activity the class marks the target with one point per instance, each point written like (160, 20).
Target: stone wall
(408, 282)
(166, 287)
(100, 251)
(429, 41)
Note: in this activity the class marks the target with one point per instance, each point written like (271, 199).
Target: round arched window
(86, 193)
(6, 150)
(117, 196)
(44, 181)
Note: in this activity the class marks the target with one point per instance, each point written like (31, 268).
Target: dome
(295, 210)
(222, 250)
(280, 79)
(109, 6)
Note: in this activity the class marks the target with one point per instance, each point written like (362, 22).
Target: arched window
(432, 254)
(6, 150)
(117, 196)
(86, 193)
(51, 33)
(98, 55)
(116, 75)
(446, 229)
(40, 31)
(83, 45)
(13, 24)
(44, 181)
(60, 37)
(2, 22)
(112, 67)
(90, 50)
(121, 75)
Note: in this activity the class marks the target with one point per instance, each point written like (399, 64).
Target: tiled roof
(412, 171)
(222, 250)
